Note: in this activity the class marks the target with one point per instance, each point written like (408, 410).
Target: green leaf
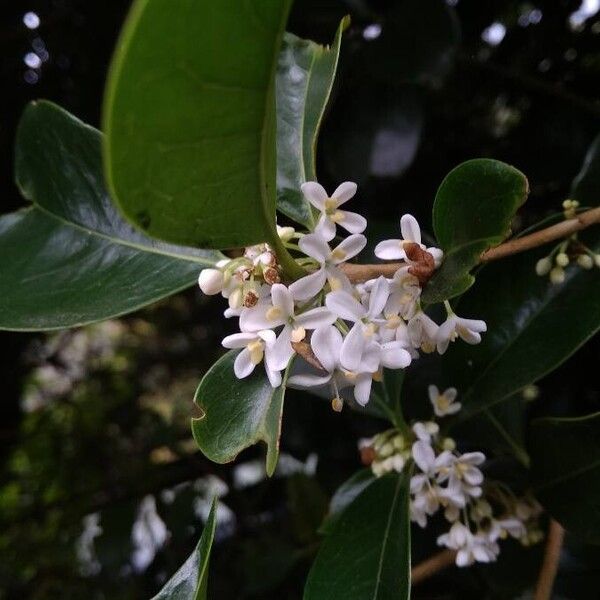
(586, 186)
(344, 495)
(533, 326)
(565, 471)
(367, 553)
(237, 413)
(473, 209)
(190, 581)
(305, 76)
(70, 259)
(189, 116)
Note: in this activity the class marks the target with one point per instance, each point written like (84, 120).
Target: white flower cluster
(357, 328)
(444, 479)
(567, 252)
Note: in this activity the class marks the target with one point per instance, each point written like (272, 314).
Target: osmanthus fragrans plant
(208, 135)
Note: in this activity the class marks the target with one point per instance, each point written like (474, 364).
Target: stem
(290, 267)
(429, 567)
(545, 582)
(361, 273)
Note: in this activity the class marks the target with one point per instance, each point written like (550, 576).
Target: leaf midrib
(385, 540)
(118, 241)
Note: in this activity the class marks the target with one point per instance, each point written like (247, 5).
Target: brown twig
(361, 273)
(434, 564)
(545, 582)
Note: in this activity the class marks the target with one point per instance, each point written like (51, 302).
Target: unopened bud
(285, 233)
(543, 266)
(211, 281)
(557, 275)
(562, 260)
(449, 444)
(271, 275)
(585, 261)
(530, 392)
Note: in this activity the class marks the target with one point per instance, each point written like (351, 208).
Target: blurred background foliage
(102, 493)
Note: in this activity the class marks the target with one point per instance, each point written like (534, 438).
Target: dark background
(408, 106)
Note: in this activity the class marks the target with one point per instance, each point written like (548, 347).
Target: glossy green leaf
(586, 186)
(189, 116)
(367, 552)
(473, 209)
(191, 580)
(565, 470)
(305, 76)
(533, 326)
(237, 413)
(344, 495)
(70, 259)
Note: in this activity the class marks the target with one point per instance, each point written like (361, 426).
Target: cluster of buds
(567, 252)
(480, 512)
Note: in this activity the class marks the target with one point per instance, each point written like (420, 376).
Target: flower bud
(543, 266)
(585, 261)
(557, 275)
(285, 233)
(271, 275)
(562, 260)
(211, 281)
(337, 404)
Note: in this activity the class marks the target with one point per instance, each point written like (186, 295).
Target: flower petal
(344, 192)
(362, 389)
(325, 228)
(255, 319)
(308, 380)
(433, 392)
(349, 248)
(315, 193)
(238, 340)
(390, 250)
(394, 356)
(326, 343)
(282, 298)
(243, 365)
(309, 286)
(352, 222)
(379, 295)
(423, 455)
(279, 354)
(352, 348)
(315, 246)
(316, 317)
(343, 305)
(410, 229)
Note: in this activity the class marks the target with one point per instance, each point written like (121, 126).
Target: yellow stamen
(337, 216)
(338, 254)
(330, 205)
(274, 313)
(335, 284)
(256, 351)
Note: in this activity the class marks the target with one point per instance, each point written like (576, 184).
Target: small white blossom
(331, 215)
(443, 404)
(422, 332)
(211, 281)
(469, 330)
(411, 233)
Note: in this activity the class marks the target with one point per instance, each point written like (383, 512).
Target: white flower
(343, 305)
(281, 312)
(255, 346)
(404, 293)
(422, 332)
(329, 208)
(463, 475)
(469, 547)
(316, 247)
(469, 330)
(211, 281)
(443, 404)
(411, 233)
(325, 343)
